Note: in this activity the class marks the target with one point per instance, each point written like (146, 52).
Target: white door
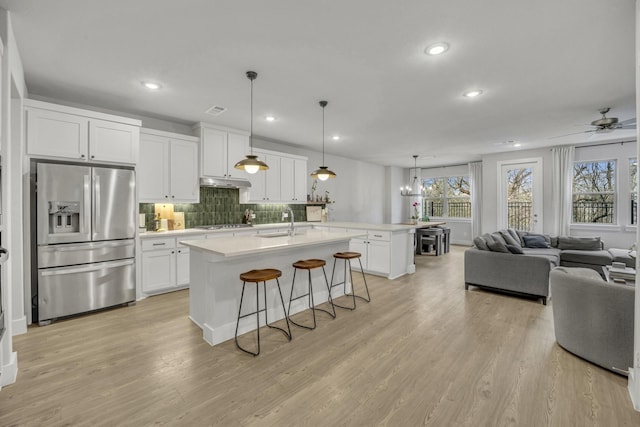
(520, 195)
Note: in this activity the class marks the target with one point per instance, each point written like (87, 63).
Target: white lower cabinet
(165, 263)
(375, 252)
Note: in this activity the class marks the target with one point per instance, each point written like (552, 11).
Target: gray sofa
(520, 262)
(593, 319)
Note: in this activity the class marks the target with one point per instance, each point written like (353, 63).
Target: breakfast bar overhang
(216, 264)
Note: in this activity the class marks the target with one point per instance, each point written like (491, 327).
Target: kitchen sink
(268, 235)
(279, 234)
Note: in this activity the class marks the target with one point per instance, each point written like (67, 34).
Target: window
(594, 192)
(447, 197)
(633, 186)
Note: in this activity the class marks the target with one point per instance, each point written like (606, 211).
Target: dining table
(423, 225)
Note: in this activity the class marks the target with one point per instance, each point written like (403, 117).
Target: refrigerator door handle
(86, 268)
(96, 211)
(86, 215)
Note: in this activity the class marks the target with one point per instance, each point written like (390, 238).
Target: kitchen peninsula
(216, 264)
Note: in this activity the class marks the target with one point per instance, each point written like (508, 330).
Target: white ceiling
(545, 67)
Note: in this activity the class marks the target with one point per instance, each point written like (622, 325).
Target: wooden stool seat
(347, 255)
(309, 264)
(256, 276)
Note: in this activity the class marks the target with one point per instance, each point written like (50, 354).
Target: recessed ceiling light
(270, 119)
(516, 144)
(336, 137)
(472, 93)
(437, 48)
(151, 85)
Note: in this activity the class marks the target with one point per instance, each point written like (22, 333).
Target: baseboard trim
(19, 326)
(10, 371)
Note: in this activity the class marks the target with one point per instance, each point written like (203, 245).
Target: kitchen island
(216, 264)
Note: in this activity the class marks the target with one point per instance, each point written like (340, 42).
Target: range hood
(224, 182)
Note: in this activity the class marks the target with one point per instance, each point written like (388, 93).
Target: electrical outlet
(253, 216)
(285, 215)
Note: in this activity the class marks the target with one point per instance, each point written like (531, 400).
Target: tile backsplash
(222, 206)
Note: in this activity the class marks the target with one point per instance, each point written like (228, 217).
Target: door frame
(538, 191)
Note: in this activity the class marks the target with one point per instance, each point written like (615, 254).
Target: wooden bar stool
(257, 276)
(347, 257)
(310, 264)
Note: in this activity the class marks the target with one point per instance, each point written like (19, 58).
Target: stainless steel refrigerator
(83, 227)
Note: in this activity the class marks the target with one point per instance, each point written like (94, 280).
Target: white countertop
(259, 227)
(244, 245)
(188, 231)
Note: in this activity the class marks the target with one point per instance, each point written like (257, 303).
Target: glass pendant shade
(323, 173)
(251, 164)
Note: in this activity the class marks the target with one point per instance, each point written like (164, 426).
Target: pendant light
(323, 173)
(416, 189)
(251, 164)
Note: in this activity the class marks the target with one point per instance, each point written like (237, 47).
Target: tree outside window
(594, 192)
(447, 197)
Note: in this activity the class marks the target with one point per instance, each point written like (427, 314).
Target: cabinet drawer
(379, 235)
(161, 243)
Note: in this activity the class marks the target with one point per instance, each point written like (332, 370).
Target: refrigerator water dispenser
(64, 217)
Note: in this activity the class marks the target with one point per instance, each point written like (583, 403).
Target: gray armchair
(593, 319)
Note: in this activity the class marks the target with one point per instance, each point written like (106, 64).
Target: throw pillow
(508, 238)
(515, 249)
(498, 247)
(498, 238)
(535, 241)
(579, 243)
(480, 243)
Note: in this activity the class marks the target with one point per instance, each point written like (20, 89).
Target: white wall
(395, 208)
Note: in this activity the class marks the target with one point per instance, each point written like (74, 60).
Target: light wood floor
(423, 352)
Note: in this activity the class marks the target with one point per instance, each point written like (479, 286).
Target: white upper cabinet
(55, 131)
(220, 150)
(293, 179)
(168, 168)
(237, 149)
(284, 182)
(266, 185)
(113, 142)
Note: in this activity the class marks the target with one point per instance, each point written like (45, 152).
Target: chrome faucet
(289, 211)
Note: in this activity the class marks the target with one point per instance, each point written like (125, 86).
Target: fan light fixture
(251, 164)
(416, 189)
(323, 173)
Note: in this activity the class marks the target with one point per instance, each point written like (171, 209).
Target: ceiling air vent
(216, 110)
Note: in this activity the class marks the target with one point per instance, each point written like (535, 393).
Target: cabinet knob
(93, 157)
(82, 156)
(173, 252)
(166, 197)
(173, 197)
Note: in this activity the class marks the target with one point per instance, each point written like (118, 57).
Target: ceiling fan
(605, 124)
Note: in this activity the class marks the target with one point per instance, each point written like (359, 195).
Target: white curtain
(475, 176)
(562, 187)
